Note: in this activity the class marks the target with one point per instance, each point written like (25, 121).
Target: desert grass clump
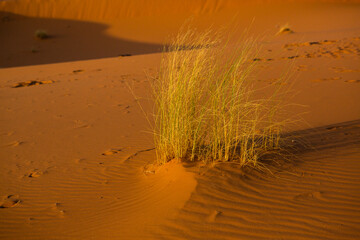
(41, 34)
(285, 29)
(205, 102)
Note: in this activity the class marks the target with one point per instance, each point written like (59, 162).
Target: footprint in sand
(213, 215)
(126, 109)
(82, 126)
(6, 133)
(317, 195)
(10, 201)
(150, 169)
(78, 71)
(35, 174)
(78, 124)
(32, 83)
(79, 160)
(292, 57)
(56, 209)
(6, 19)
(111, 152)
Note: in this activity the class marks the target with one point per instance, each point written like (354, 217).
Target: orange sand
(76, 148)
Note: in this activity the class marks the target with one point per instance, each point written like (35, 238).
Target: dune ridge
(110, 10)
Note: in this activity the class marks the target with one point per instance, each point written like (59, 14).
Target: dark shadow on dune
(340, 135)
(322, 142)
(70, 41)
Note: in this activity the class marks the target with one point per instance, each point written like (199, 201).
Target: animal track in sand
(136, 153)
(6, 133)
(263, 59)
(290, 57)
(10, 201)
(343, 127)
(78, 71)
(111, 152)
(303, 68)
(273, 81)
(35, 174)
(324, 48)
(14, 144)
(334, 128)
(327, 48)
(32, 83)
(343, 70)
(125, 55)
(309, 43)
(326, 79)
(124, 76)
(352, 81)
(124, 107)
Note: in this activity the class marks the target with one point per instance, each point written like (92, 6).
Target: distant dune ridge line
(114, 9)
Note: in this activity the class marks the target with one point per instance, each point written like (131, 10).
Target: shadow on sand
(69, 41)
(323, 142)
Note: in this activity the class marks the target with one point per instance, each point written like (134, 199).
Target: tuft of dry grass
(41, 34)
(34, 49)
(285, 29)
(205, 105)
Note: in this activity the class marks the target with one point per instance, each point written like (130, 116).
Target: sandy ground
(74, 142)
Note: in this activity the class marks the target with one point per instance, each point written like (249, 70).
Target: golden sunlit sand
(77, 157)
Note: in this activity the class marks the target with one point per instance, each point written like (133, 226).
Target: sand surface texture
(76, 152)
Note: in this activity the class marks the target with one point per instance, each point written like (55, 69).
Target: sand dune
(76, 151)
(111, 28)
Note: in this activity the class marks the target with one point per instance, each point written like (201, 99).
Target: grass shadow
(324, 142)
